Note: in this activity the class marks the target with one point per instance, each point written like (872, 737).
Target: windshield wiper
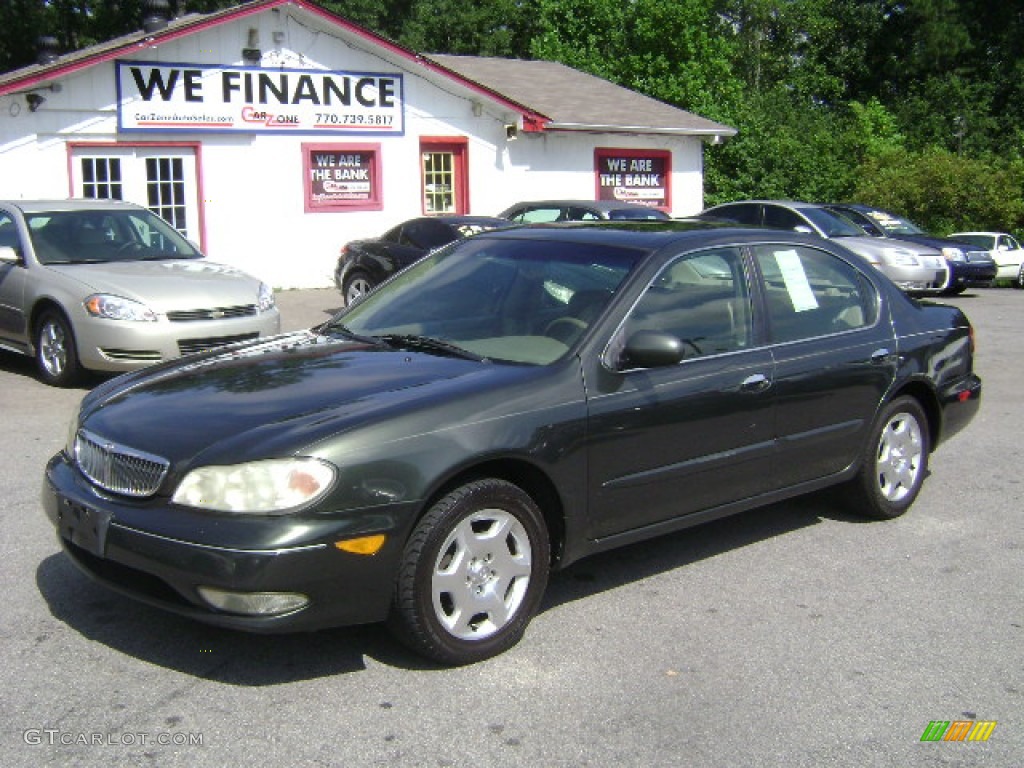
(429, 344)
(342, 330)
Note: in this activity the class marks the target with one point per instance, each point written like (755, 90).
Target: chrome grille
(117, 468)
(216, 313)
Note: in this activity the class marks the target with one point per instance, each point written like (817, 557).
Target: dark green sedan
(503, 407)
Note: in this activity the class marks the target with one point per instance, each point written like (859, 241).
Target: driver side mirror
(651, 349)
(8, 255)
(803, 229)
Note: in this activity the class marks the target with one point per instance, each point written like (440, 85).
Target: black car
(507, 405)
(968, 264)
(364, 264)
(547, 211)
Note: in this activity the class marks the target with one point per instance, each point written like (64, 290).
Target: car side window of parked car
(537, 215)
(701, 299)
(742, 213)
(782, 218)
(810, 293)
(426, 234)
(580, 214)
(9, 233)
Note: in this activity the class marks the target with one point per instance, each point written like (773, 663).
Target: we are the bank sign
(192, 97)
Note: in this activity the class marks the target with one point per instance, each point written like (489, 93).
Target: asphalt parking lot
(794, 636)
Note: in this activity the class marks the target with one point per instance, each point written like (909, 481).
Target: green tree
(493, 28)
(943, 191)
(676, 52)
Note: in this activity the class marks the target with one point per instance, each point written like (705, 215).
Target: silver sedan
(109, 286)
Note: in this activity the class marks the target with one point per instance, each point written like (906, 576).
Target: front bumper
(164, 563)
(119, 345)
(967, 273)
(918, 279)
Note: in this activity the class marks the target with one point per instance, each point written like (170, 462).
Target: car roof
(69, 204)
(783, 203)
(598, 205)
(653, 234)
(859, 207)
(495, 221)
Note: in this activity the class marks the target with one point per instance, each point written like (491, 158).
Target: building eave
(716, 135)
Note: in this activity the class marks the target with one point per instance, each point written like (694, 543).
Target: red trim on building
(459, 147)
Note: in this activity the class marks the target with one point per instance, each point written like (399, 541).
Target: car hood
(875, 248)
(281, 396)
(164, 285)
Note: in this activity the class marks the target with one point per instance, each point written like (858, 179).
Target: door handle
(882, 355)
(756, 382)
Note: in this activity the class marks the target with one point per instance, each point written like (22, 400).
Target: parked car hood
(283, 395)
(874, 248)
(166, 284)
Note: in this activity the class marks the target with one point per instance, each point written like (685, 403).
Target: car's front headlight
(269, 487)
(117, 308)
(953, 254)
(266, 298)
(900, 257)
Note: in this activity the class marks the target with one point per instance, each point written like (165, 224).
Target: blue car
(969, 265)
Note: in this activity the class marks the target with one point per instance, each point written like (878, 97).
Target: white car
(1004, 249)
(103, 285)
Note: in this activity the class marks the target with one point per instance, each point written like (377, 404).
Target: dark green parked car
(505, 406)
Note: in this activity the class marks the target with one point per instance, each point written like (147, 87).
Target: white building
(274, 132)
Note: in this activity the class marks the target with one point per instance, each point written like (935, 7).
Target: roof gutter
(714, 135)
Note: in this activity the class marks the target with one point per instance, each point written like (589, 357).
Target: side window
(741, 213)
(1012, 243)
(429, 233)
(782, 218)
(9, 233)
(812, 293)
(702, 299)
(574, 213)
(538, 215)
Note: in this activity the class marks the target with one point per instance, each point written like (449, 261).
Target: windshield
(988, 242)
(832, 224)
(513, 300)
(90, 237)
(893, 225)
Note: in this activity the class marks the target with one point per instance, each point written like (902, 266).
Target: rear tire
(473, 574)
(895, 462)
(1019, 280)
(56, 354)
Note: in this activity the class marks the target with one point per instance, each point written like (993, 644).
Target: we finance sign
(189, 97)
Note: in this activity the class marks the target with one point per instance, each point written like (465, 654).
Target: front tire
(473, 574)
(56, 355)
(357, 285)
(895, 461)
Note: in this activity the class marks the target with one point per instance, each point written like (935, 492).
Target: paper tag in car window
(797, 285)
